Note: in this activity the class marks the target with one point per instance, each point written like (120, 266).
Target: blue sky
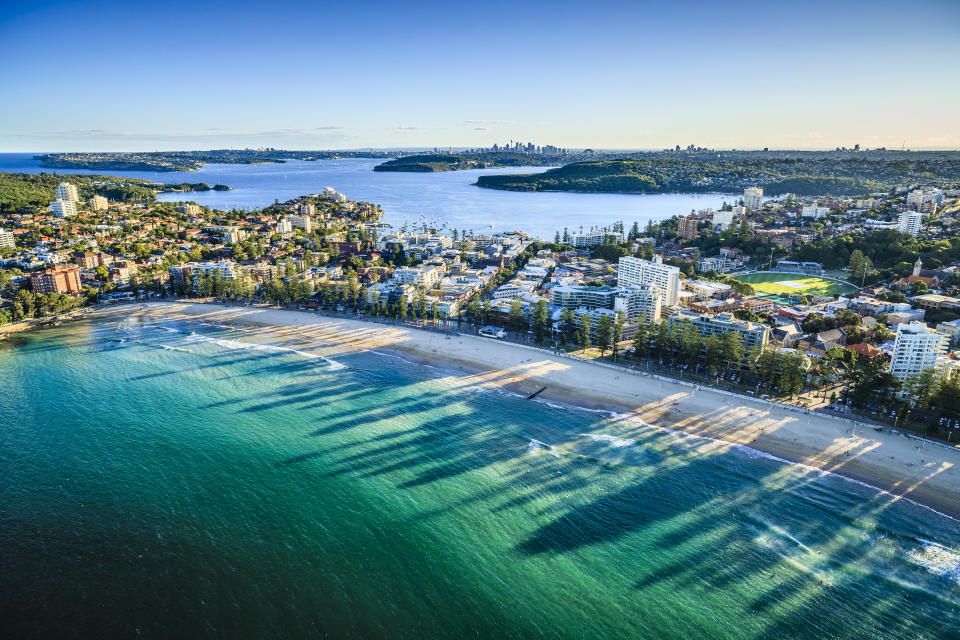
(174, 75)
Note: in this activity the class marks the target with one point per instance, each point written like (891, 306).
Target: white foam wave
(255, 346)
(937, 559)
(613, 441)
(537, 448)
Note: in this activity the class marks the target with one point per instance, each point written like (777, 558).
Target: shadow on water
(792, 589)
(683, 520)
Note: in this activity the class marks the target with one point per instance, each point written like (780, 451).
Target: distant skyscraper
(67, 191)
(753, 198)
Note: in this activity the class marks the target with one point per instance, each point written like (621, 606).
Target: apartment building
(909, 222)
(639, 302)
(56, 280)
(63, 208)
(754, 334)
(722, 219)
(916, 349)
(98, 203)
(753, 198)
(593, 238)
(633, 272)
(67, 191)
(426, 276)
(6, 239)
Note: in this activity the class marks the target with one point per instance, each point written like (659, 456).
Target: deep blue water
(447, 197)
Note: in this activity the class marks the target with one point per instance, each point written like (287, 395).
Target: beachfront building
(633, 272)
(67, 191)
(916, 349)
(753, 198)
(909, 222)
(98, 203)
(424, 276)
(641, 302)
(56, 280)
(63, 208)
(588, 297)
(191, 271)
(593, 238)
(754, 334)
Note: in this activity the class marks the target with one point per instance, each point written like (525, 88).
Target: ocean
(444, 198)
(179, 479)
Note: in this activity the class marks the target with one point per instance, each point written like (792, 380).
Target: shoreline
(927, 474)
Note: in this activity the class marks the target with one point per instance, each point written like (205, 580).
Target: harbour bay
(448, 197)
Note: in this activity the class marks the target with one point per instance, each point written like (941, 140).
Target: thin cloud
(487, 122)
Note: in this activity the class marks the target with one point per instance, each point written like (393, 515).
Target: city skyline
(102, 76)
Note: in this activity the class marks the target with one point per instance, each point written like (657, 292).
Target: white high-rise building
(301, 222)
(67, 191)
(633, 272)
(63, 208)
(916, 349)
(593, 238)
(722, 219)
(753, 198)
(909, 222)
(639, 302)
(815, 211)
(6, 239)
(284, 226)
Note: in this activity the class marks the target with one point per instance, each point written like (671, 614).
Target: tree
(617, 332)
(918, 288)
(566, 324)
(517, 320)
(746, 314)
(641, 341)
(583, 334)
(540, 321)
(859, 265)
(604, 333)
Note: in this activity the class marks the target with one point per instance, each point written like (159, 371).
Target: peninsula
(802, 173)
(26, 192)
(460, 161)
(168, 161)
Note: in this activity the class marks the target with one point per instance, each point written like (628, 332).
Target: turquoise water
(447, 197)
(179, 480)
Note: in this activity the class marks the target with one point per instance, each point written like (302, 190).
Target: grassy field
(784, 284)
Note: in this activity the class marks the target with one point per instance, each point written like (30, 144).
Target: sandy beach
(904, 467)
